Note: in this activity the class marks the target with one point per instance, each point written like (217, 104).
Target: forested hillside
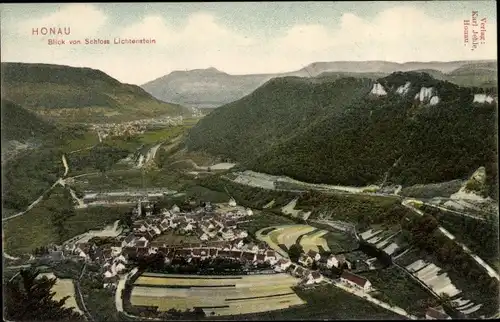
(337, 132)
(20, 124)
(274, 113)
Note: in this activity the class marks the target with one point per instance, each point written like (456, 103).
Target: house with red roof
(355, 280)
(260, 258)
(282, 265)
(248, 256)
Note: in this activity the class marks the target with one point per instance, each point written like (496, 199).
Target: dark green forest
(20, 124)
(335, 132)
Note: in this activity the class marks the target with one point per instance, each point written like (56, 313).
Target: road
(119, 292)
(455, 212)
(61, 181)
(151, 154)
(79, 293)
(370, 298)
(491, 272)
(33, 204)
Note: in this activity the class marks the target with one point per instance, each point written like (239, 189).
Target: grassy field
(88, 139)
(289, 235)
(398, 288)
(171, 238)
(263, 219)
(315, 241)
(133, 178)
(325, 302)
(62, 288)
(339, 242)
(190, 121)
(93, 218)
(162, 135)
(231, 295)
(35, 228)
(205, 194)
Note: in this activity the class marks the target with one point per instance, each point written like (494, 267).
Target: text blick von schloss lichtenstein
(96, 41)
(66, 31)
(477, 27)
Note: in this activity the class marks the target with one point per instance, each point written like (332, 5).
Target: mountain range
(72, 94)
(210, 87)
(404, 128)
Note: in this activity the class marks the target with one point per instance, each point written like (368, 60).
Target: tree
(30, 299)
(294, 252)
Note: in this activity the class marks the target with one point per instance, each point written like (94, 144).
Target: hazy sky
(242, 38)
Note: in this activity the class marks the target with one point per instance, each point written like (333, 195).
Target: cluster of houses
(217, 231)
(205, 222)
(134, 127)
(328, 262)
(219, 238)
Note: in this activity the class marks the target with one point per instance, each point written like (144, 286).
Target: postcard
(250, 161)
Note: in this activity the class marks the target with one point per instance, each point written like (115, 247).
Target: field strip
(177, 276)
(261, 297)
(290, 236)
(181, 281)
(159, 292)
(254, 293)
(218, 306)
(260, 306)
(311, 242)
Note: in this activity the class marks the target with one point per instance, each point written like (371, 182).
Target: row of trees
(180, 265)
(480, 236)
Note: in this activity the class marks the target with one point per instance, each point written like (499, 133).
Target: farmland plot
(314, 240)
(223, 295)
(425, 270)
(64, 287)
(340, 242)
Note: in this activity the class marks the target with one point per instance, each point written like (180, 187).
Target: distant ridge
(212, 88)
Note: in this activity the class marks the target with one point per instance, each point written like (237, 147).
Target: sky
(243, 38)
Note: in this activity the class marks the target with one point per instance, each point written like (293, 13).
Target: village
(136, 127)
(215, 228)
